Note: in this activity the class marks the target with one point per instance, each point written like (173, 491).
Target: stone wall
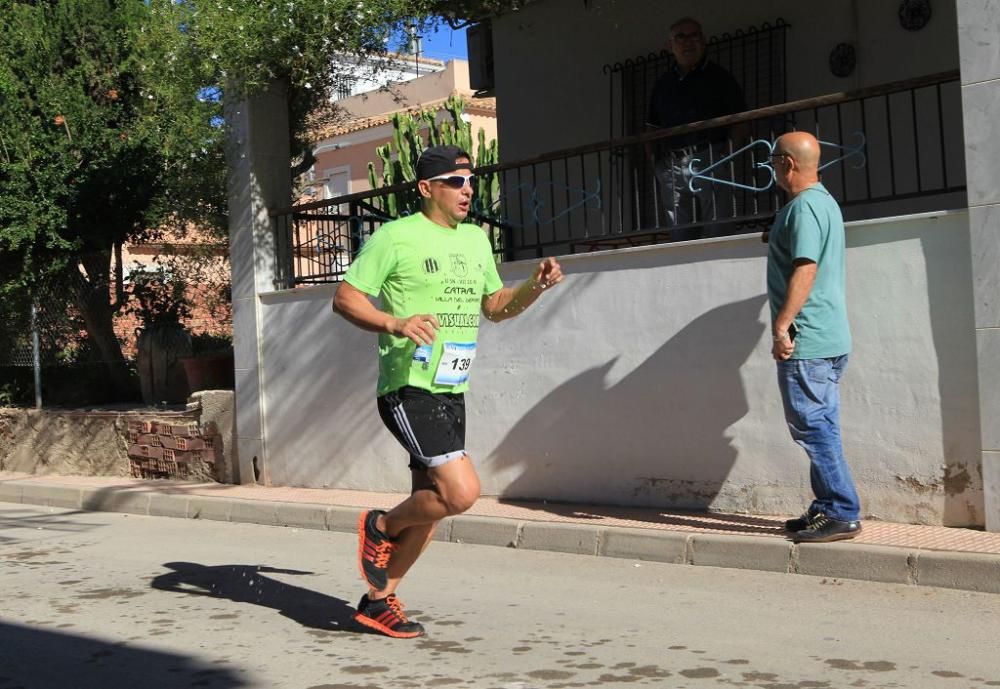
(193, 443)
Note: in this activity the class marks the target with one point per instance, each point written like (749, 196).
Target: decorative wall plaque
(843, 59)
(914, 14)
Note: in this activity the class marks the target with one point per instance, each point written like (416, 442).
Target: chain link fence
(45, 351)
(51, 349)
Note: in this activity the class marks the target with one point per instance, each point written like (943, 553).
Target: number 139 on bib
(455, 364)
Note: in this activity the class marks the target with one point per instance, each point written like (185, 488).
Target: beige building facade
(347, 137)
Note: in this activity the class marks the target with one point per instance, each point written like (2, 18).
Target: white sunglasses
(453, 181)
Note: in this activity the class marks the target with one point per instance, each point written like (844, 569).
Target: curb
(886, 564)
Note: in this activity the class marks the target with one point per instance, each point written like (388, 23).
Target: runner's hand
(547, 274)
(419, 328)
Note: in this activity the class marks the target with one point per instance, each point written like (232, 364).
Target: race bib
(455, 364)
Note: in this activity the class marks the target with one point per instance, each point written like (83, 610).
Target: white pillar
(979, 48)
(258, 180)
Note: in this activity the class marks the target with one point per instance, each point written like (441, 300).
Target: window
(344, 87)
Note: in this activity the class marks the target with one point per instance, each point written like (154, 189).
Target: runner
(435, 275)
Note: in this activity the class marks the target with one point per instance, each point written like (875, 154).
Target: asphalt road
(115, 601)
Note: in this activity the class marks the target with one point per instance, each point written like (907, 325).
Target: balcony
(885, 153)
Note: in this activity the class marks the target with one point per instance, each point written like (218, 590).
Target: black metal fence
(315, 242)
(886, 152)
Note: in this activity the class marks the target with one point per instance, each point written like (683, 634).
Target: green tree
(95, 150)
(249, 45)
(111, 121)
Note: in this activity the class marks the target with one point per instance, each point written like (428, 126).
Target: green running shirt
(419, 266)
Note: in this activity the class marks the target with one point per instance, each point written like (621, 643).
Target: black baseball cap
(440, 160)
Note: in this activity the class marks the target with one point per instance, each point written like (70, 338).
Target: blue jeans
(810, 393)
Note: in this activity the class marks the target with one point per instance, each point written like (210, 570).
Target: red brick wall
(206, 292)
(164, 449)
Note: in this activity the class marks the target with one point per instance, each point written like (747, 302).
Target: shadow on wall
(657, 437)
(34, 657)
(325, 378)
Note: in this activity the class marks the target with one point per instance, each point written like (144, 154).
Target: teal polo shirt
(812, 227)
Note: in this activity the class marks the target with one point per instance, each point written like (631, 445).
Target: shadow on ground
(712, 521)
(35, 658)
(32, 519)
(248, 584)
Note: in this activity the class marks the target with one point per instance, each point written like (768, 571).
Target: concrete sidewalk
(885, 552)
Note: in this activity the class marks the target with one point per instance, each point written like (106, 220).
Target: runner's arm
(508, 302)
(354, 305)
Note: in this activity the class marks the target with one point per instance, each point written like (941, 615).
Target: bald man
(811, 336)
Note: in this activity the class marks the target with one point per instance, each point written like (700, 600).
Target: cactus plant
(399, 157)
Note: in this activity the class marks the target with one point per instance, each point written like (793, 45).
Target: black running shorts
(431, 426)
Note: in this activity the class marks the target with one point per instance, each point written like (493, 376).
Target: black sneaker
(800, 523)
(386, 616)
(823, 529)
(374, 550)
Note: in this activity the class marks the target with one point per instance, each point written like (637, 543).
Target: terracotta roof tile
(327, 124)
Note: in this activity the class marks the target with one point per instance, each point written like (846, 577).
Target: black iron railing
(895, 159)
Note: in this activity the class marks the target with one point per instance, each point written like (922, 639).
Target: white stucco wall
(646, 379)
(552, 94)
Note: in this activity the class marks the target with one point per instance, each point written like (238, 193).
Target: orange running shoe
(374, 550)
(386, 616)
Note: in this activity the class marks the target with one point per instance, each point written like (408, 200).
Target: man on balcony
(811, 335)
(694, 89)
(436, 275)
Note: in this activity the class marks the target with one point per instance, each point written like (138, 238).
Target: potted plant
(210, 366)
(159, 302)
